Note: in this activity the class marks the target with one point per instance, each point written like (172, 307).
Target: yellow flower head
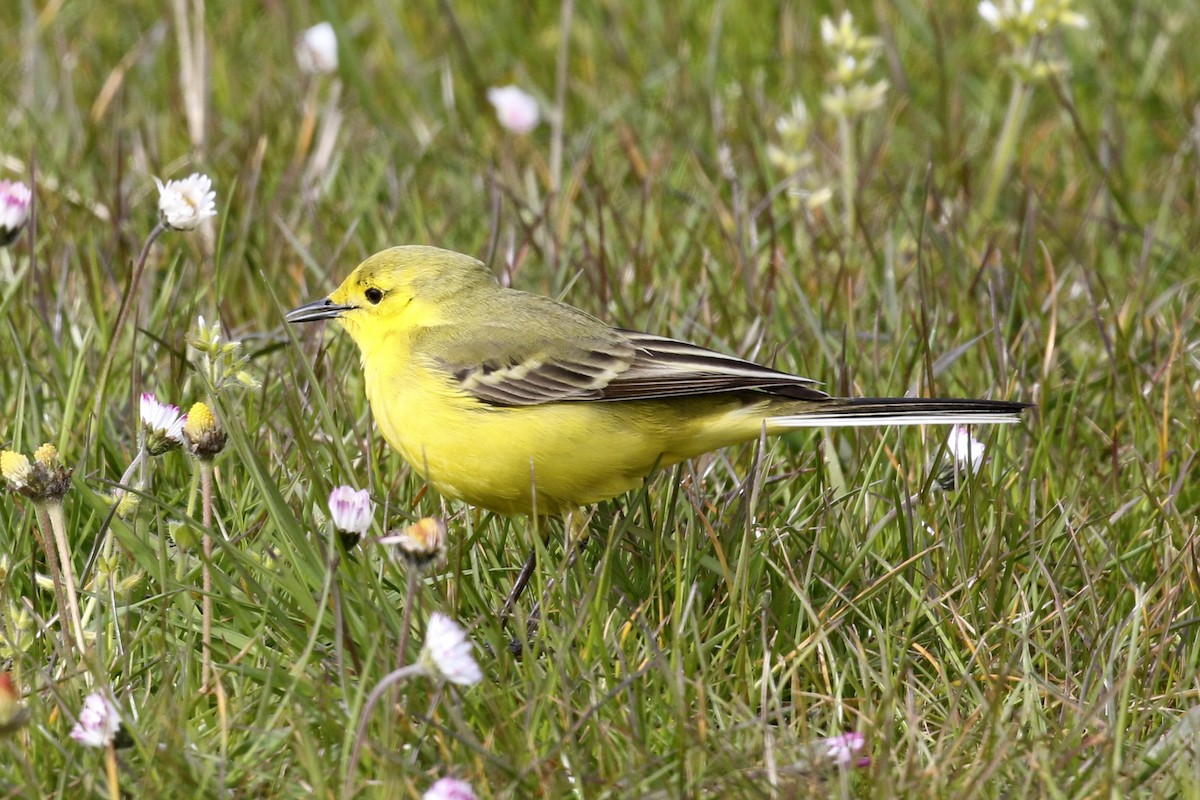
(200, 420)
(47, 456)
(204, 434)
(15, 468)
(420, 543)
(45, 478)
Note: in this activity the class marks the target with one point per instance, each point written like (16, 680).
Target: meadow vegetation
(921, 198)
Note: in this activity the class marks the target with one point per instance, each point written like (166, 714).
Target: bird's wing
(664, 367)
(503, 370)
(502, 364)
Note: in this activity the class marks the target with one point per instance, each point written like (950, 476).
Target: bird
(522, 404)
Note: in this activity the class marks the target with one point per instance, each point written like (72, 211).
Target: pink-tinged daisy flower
(351, 510)
(449, 789)
(15, 201)
(965, 449)
(841, 749)
(517, 110)
(163, 424)
(98, 721)
(447, 652)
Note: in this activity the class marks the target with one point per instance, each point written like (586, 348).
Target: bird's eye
(374, 296)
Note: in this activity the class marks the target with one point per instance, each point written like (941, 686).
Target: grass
(1031, 632)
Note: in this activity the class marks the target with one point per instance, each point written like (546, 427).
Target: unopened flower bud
(352, 512)
(127, 503)
(184, 535)
(130, 582)
(246, 379)
(13, 712)
(18, 631)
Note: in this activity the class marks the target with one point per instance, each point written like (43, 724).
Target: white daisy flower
(317, 50)
(184, 204)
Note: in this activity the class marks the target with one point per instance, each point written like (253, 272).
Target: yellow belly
(544, 459)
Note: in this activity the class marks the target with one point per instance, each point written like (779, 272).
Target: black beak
(316, 310)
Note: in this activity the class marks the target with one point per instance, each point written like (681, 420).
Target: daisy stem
(848, 170)
(106, 546)
(110, 763)
(206, 503)
(561, 77)
(54, 511)
(122, 315)
(322, 604)
(193, 492)
(410, 592)
(138, 461)
(128, 473)
(389, 680)
(1002, 158)
(308, 125)
(180, 563)
(46, 541)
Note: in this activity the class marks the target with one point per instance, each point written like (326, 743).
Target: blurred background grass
(1031, 632)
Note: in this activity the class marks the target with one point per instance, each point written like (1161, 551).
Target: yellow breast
(544, 459)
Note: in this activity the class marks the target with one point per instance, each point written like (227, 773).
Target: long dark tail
(841, 412)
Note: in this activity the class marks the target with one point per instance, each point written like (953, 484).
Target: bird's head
(396, 289)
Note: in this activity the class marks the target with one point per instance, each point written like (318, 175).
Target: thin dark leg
(519, 587)
(577, 547)
(579, 527)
